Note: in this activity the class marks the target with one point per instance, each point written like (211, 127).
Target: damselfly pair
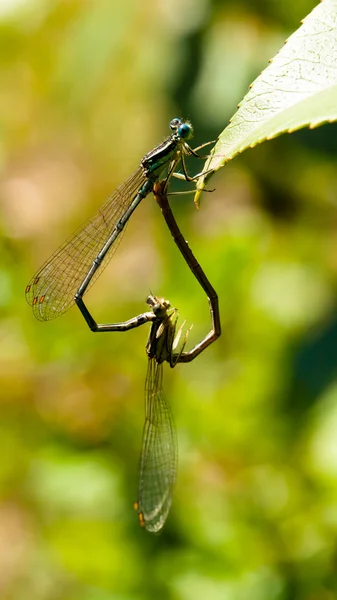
(72, 269)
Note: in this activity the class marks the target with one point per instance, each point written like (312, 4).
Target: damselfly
(159, 457)
(72, 269)
(158, 462)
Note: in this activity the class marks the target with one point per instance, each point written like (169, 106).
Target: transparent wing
(51, 291)
(158, 463)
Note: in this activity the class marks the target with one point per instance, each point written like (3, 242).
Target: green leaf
(297, 89)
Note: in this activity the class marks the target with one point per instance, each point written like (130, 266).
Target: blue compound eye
(175, 124)
(185, 130)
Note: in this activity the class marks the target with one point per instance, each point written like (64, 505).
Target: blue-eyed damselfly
(73, 268)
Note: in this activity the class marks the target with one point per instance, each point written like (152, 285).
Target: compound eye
(151, 300)
(174, 124)
(185, 130)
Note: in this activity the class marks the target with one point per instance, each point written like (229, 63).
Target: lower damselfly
(158, 461)
(65, 277)
(159, 455)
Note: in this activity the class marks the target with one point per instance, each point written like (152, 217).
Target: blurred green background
(86, 89)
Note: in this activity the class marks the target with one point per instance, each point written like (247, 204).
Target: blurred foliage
(87, 88)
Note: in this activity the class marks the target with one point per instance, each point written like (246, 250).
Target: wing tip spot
(140, 514)
(38, 299)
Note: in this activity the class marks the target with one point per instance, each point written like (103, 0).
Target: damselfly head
(184, 129)
(159, 305)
